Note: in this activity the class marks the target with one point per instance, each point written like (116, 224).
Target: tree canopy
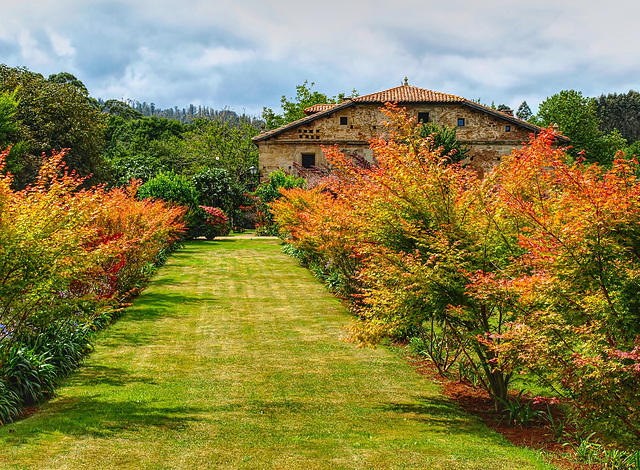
(620, 112)
(524, 112)
(293, 109)
(52, 116)
(577, 119)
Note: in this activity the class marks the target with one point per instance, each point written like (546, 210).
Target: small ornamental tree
(444, 141)
(410, 234)
(177, 190)
(171, 188)
(578, 321)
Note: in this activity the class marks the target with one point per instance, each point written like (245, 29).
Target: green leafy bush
(171, 188)
(216, 188)
(268, 192)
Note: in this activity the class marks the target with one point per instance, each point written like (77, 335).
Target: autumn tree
(575, 287)
(409, 235)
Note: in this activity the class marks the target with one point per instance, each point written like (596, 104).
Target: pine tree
(524, 112)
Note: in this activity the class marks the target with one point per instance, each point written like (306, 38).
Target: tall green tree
(293, 109)
(53, 116)
(577, 119)
(220, 144)
(524, 112)
(140, 147)
(620, 112)
(66, 77)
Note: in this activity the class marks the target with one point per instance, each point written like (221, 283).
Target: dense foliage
(69, 256)
(444, 141)
(169, 187)
(532, 269)
(268, 192)
(620, 111)
(220, 144)
(140, 148)
(216, 188)
(52, 116)
(577, 118)
(293, 109)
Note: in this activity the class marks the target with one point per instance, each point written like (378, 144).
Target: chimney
(509, 112)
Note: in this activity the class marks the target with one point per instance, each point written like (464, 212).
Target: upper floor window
(508, 129)
(461, 122)
(343, 121)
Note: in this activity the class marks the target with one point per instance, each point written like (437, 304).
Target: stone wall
(351, 128)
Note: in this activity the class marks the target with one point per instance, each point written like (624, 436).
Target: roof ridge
(408, 93)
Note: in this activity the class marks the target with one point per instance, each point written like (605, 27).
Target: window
(508, 129)
(423, 117)
(460, 122)
(308, 160)
(343, 121)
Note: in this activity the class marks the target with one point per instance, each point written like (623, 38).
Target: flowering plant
(209, 222)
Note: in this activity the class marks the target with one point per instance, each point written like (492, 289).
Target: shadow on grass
(103, 375)
(165, 281)
(151, 305)
(437, 412)
(98, 417)
(148, 308)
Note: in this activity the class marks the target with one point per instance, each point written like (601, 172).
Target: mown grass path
(232, 359)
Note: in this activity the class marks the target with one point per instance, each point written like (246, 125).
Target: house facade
(350, 125)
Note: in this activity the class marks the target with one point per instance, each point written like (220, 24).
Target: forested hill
(187, 115)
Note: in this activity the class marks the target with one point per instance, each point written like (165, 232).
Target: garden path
(232, 358)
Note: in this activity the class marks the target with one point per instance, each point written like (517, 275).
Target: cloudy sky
(245, 54)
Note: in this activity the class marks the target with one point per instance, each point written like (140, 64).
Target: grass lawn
(232, 359)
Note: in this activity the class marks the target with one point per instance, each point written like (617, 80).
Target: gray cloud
(245, 54)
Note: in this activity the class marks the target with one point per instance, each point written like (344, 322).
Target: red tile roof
(317, 108)
(408, 94)
(401, 94)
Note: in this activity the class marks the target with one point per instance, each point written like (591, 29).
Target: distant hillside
(187, 115)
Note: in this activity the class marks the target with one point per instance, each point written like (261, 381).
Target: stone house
(488, 133)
